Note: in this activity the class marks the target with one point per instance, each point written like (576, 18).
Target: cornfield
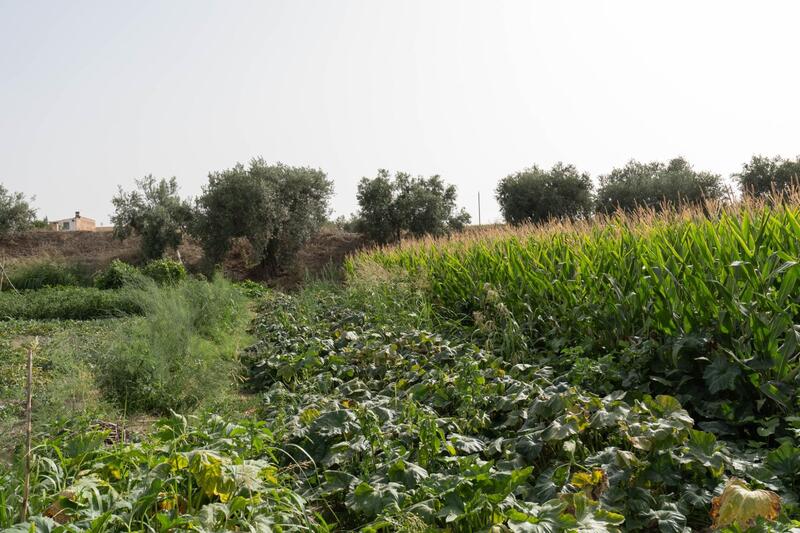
(704, 299)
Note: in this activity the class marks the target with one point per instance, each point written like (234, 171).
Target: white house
(76, 223)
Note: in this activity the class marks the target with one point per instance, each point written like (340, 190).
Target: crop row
(703, 304)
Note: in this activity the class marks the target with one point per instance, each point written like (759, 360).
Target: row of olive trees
(536, 194)
(276, 208)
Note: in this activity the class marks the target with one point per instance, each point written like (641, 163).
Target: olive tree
(536, 194)
(391, 207)
(16, 214)
(276, 208)
(655, 185)
(155, 212)
(762, 176)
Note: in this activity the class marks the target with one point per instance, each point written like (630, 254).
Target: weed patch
(68, 303)
(39, 274)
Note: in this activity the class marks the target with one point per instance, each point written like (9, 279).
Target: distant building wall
(84, 224)
(77, 223)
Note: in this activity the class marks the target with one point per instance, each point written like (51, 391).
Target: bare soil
(323, 254)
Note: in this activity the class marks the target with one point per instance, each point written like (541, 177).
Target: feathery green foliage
(182, 353)
(190, 475)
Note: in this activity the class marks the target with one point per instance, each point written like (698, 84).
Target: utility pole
(479, 208)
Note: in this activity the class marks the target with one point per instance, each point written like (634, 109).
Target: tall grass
(37, 274)
(701, 301)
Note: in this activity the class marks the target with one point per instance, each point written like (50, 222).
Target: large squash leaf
(740, 506)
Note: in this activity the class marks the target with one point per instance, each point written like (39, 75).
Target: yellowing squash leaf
(593, 483)
(178, 462)
(206, 466)
(741, 506)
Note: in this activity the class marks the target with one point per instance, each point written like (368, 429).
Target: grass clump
(182, 353)
(40, 274)
(63, 379)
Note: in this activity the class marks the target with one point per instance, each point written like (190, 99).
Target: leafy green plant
(410, 428)
(252, 289)
(117, 275)
(207, 475)
(165, 271)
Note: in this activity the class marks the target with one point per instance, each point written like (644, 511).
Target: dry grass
(641, 222)
(91, 250)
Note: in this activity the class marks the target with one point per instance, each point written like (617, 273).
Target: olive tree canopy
(390, 207)
(654, 185)
(536, 194)
(155, 212)
(16, 214)
(276, 208)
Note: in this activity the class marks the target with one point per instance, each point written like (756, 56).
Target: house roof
(70, 219)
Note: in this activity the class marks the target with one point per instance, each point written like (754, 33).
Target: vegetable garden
(636, 373)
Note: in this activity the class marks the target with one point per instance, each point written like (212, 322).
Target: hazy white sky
(94, 94)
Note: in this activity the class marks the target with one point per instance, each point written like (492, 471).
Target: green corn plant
(712, 292)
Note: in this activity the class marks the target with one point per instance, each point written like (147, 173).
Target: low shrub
(77, 303)
(116, 275)
(182, 353)
(40, 274)
(165, 271)
(252, 289)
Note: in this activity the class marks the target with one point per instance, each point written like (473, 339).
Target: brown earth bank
(323, 254)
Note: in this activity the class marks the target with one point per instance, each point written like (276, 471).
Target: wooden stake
(26, 488)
